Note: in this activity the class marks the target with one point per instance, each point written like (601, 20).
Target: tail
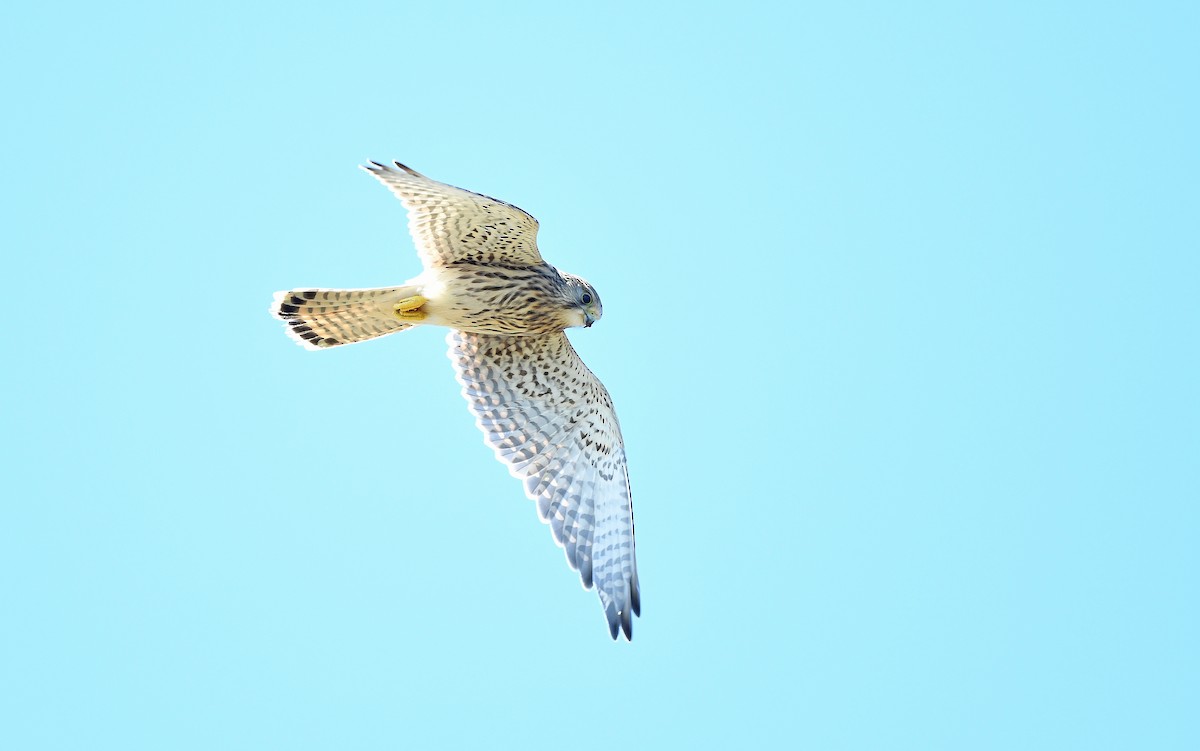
(320, 318)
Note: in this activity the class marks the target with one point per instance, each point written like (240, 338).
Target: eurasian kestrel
(547, 417)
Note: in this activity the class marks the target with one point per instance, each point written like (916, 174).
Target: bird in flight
(548, 418)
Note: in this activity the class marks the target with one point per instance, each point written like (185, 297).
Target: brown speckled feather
(450, 224)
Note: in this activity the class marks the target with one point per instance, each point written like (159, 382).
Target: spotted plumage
(548, 418)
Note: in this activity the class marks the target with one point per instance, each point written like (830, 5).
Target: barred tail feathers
(322, 318)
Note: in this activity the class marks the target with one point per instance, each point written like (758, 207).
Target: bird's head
(583, 304)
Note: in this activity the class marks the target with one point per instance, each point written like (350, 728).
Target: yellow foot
(409, 309)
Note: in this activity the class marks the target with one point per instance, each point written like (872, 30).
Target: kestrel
(543, 412)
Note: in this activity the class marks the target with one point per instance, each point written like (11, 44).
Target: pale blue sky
(900, 319)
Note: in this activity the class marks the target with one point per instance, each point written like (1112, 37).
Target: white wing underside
(552, 423)
(449, 224)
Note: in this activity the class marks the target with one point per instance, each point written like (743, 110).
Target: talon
(409, 309)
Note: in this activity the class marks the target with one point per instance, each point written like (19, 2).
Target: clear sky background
(900, 320)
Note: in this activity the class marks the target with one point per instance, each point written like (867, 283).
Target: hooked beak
(588, 319)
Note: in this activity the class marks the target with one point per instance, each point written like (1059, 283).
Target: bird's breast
(489, 299)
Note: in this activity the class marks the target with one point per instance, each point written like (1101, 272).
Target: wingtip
(407, 169)
(619, 621)
(635, 596)
(377, 168)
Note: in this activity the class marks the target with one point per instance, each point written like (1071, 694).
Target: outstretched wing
(552, 422)
(450, 224)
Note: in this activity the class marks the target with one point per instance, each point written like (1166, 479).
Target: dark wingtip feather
(611, 613)
(635, 596)
(375, 168)
(407, 169)
(619, 621)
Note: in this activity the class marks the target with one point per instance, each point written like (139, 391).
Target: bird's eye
(586, 298)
